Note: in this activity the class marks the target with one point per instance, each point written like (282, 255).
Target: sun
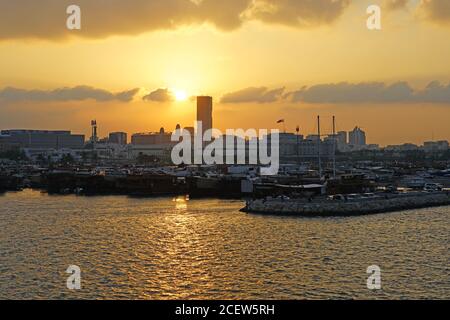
(180, 95)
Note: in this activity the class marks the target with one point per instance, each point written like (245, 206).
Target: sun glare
(180, 95)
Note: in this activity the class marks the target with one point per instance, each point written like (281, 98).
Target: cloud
(435, 92)
(330, 93)
(395, 4)
(300, 13)
(437, 11)
(371, 92)
(78, 93)
(126, 96)
(253, 94)
(159, 95)
(46, 19)
(353, 93)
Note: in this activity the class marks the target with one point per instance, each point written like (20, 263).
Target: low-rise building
(118, 138)
(402, 148)
(436, 146)
(44, 139)
(157, 144)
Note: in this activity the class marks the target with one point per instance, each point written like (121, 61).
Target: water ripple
(205, 249)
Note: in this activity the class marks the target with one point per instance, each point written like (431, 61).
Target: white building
(357, 137)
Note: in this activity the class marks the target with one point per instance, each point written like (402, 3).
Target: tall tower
(204, 112)
(94, 137)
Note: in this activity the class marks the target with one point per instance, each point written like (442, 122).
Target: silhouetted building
(402, 148)
(204, 112)
(94, 136)
(118, 138)
(6, 144)
(341, 138)
(434, 146)
(312, 137)
(191, 130)
(293, 147)
(151, 138)
(44, 139)
(156, 144)
(357, 137)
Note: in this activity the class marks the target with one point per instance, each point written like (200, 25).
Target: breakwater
(388, 203)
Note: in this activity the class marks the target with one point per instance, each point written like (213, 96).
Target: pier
(330, 208)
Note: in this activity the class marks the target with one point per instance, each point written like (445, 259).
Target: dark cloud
(353, 93)
(65, 94)
(127, 95)
(435, 92)
(371, 92)
(255, 95)
(436, 10)
(299, 13)
(395, 4)
(159, 95)
(46, 19)
(332, 93)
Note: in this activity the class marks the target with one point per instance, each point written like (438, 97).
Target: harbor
(320, 175)
(334, 173)
(355, 191)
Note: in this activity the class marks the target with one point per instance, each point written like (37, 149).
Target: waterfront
(165, 248)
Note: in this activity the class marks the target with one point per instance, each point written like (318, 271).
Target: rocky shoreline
(327, 208)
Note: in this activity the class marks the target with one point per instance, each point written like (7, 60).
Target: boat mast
(334, 146)
(318, 147)
(298, 152)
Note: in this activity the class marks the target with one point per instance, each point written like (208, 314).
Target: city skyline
(205, 111)
(295, 62)
(220, 157)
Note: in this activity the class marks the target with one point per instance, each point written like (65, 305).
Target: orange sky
(261, 60)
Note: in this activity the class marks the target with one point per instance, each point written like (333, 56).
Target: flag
(280, 121)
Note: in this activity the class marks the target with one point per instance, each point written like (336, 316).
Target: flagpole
(284, 124)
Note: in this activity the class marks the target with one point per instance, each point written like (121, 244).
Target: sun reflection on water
(181, 202)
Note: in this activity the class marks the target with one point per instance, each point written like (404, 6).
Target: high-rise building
(357, 137)
(94, 136)
(191, 131)
(204, 112)
(118, 138)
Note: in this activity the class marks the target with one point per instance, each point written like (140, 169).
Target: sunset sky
(135, 63)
